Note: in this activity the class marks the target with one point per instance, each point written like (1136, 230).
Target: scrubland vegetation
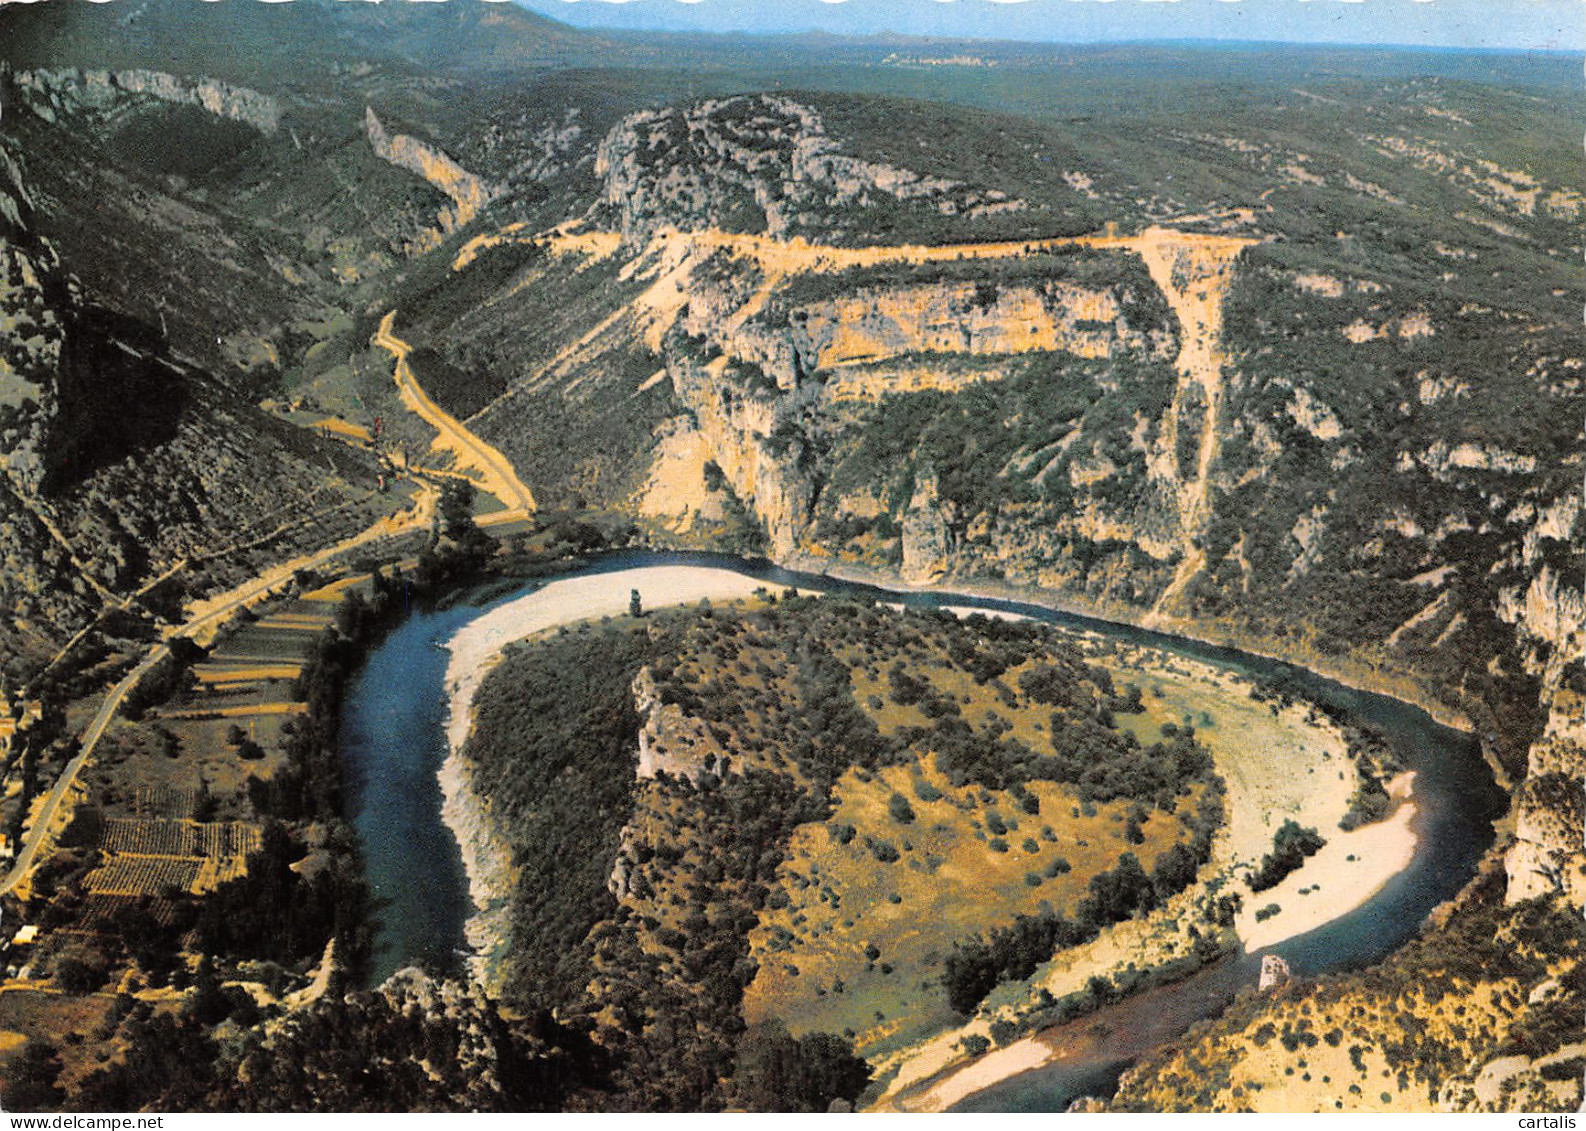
(1491, 982)
(791, 828)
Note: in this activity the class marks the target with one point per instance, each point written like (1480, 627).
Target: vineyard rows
(147, 856)
(143, 875)
(216, 870)
(160, 837)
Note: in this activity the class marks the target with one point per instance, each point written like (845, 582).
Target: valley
(564, 557)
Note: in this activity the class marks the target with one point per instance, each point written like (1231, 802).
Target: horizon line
(879, 37)
(569, 13)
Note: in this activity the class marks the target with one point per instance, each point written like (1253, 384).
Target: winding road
(493, 469)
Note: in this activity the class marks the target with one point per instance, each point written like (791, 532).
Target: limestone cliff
(51, 93)
(468, 192)
(927, 541)
(965, 318)
(31, 334)
(1548, 856)
(764, 459)
(767, 371)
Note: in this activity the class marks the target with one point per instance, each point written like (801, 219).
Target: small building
(1274, 972)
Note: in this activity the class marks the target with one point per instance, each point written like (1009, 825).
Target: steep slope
(119, 461)
(874, 404)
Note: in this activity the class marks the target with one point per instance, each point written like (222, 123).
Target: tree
(776, 1072)
(206, 1004)
(1290, 846)
(80, 970)
(457, 509)
(635, 606)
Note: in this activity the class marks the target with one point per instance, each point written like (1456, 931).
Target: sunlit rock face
(468, 193)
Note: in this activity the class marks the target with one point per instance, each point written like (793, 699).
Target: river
(393, 743)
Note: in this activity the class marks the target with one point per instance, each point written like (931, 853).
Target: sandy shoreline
(476, 649)
(1380, 850)
(993, 1068)
(1346, 872)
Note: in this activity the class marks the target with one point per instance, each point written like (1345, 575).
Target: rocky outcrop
(1517, 1083)
(670, 742)
(752, 440)
(1442, 460)
(52, 93)
(756, 163)
(927, 541)
(468, 193)
(968, 318)
(1548, 856)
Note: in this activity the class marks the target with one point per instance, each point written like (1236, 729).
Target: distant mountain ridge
(243, 41)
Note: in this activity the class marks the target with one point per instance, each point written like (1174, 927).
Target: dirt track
(491, 469)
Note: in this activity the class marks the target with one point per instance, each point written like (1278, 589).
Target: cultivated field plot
(336, 591)
(275, 644)
(150, 838)
(103, 913)
(183, 762)
(150, 857)
(283, 630)
(144, 875)
(232, 672)
(165, 801)
(179, 838)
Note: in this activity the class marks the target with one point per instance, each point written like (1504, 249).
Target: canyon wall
(53, 92)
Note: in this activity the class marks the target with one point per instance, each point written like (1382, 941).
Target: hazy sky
(1522, 24)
